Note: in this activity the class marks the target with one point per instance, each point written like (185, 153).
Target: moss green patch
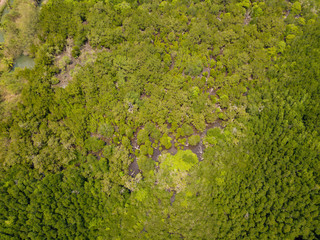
(182, 161)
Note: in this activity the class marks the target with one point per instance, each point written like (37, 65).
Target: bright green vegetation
(160, 120)
(181, 161)
(174, 169)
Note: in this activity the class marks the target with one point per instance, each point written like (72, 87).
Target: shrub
(186, 130)
(64, 61)
(106, 130)
(94, 144)
(54, 80)
(166, 141)
(194, 140)
(194, 68)
(75, 52)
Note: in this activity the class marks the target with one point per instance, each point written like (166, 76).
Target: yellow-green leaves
(166, 141)
(296, 8)
(182, 161)
(173, 170)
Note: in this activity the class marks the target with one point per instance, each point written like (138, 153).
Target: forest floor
(134, 167)
(88, 54)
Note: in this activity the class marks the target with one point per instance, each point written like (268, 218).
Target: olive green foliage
(65, 60)
(224, 101)
(214, 135)
(185, 130)
(296, 8)
(166, 141)
(145, 164)
(106, 130)
(76, 52)
(94, 144)
(96, 153)
(20, 27)
(194, 68)
(194, 140)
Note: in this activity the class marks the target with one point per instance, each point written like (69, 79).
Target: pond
(23, 62)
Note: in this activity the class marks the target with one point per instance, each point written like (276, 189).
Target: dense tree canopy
(160, 120)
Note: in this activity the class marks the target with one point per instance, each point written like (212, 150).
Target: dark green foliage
(76, 52)
(275, 169)
(63, 204)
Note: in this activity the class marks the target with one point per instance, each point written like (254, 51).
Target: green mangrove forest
(150, 119)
